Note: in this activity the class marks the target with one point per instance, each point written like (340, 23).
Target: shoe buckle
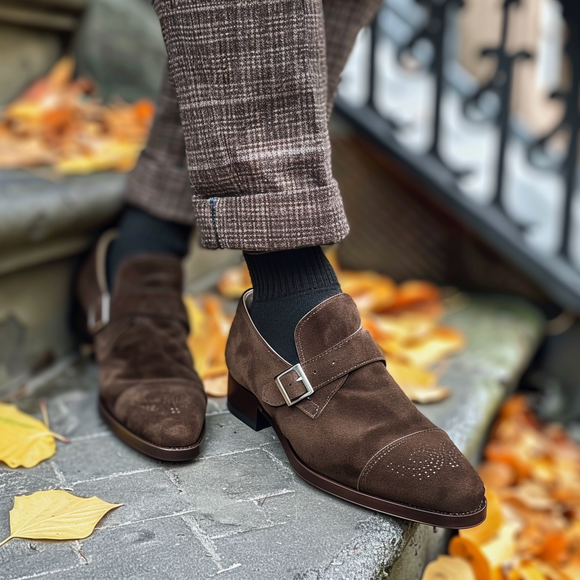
(297, 368)
(92, 322)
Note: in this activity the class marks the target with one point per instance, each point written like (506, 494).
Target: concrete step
(44, 225)
(240, 512)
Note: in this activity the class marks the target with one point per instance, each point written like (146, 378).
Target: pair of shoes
(150, 395)
(345, 425)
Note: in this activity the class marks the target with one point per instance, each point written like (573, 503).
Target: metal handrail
(557, 273)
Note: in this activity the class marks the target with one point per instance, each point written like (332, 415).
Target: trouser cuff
(269, 222)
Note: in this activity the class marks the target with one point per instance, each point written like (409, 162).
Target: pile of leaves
(57, 123)
(532, 531)
(403, 319)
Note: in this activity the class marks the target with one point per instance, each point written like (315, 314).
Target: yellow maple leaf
(56, 515)
(24, 440)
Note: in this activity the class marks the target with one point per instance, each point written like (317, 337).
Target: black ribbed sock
(288, 284)
(141, 232)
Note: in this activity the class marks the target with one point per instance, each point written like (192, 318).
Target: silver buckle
(302, 378)
(92, 323)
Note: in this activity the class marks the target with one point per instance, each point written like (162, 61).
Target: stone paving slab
(239, 512)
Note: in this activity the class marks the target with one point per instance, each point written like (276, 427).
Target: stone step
(45, 223)
(239, 511)
(39, 207)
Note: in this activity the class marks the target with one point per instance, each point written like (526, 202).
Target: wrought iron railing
(509, 177)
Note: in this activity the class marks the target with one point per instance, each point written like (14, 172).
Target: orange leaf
(466, 549)
(216, 386)
(490, 526)
(234, 282)
(62, 72)
(448, 568)
(555, 548)
(487, 559)
(496, 475)
(432, 348)
(413, 292)
(418, 384)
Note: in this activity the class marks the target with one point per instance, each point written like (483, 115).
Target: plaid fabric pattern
(254, 80)
(159, 183)
(343, 20)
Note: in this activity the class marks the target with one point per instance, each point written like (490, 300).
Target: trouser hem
(269, 222)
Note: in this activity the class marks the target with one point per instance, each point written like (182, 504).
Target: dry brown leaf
(449, 568)
(216, 386)
(487, 559)
(404, 328)
(442, 342)
(207, 341)
(370, 291)
(418, 384)
(414, 292)
(467, 550)
(234, 282)
(530, 494)
(571, 571)
(527, 571)
(55, 122)
(547, 571)
(534, 470)
(55, 515)
(555, 548)
(496, 475)
(490, 527)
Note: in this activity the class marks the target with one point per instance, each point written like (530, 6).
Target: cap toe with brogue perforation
(344, 423)
(150, 395)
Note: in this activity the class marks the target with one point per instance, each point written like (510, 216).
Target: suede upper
(146, 375)
(358, 428)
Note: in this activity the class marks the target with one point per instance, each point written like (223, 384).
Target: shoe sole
(155, 451)
(247, 408)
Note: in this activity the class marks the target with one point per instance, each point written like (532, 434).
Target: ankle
(140, 233)
(287, 285)
(287, 272)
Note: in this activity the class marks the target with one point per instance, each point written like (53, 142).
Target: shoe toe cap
(425, 470)
(166, 415)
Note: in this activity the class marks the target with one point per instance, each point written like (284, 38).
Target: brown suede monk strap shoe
(345, 425)
(150, 395)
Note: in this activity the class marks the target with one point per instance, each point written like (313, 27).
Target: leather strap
(129, 305)
(354, 352)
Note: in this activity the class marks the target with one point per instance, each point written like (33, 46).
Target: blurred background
(455, 145)
(455, 141)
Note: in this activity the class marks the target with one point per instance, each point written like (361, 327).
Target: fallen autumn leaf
(55, 515)
(449, 568)
(24, 440)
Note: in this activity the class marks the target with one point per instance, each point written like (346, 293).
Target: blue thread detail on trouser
(213, 202)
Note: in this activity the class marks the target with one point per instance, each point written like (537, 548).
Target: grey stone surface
(39, 206)
(239, 511)
(45, 223)
(34, 320)
(25, 54)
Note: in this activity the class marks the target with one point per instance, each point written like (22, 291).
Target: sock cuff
(154, 234)
(287, 272)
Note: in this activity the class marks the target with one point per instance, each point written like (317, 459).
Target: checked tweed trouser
(242, 121)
